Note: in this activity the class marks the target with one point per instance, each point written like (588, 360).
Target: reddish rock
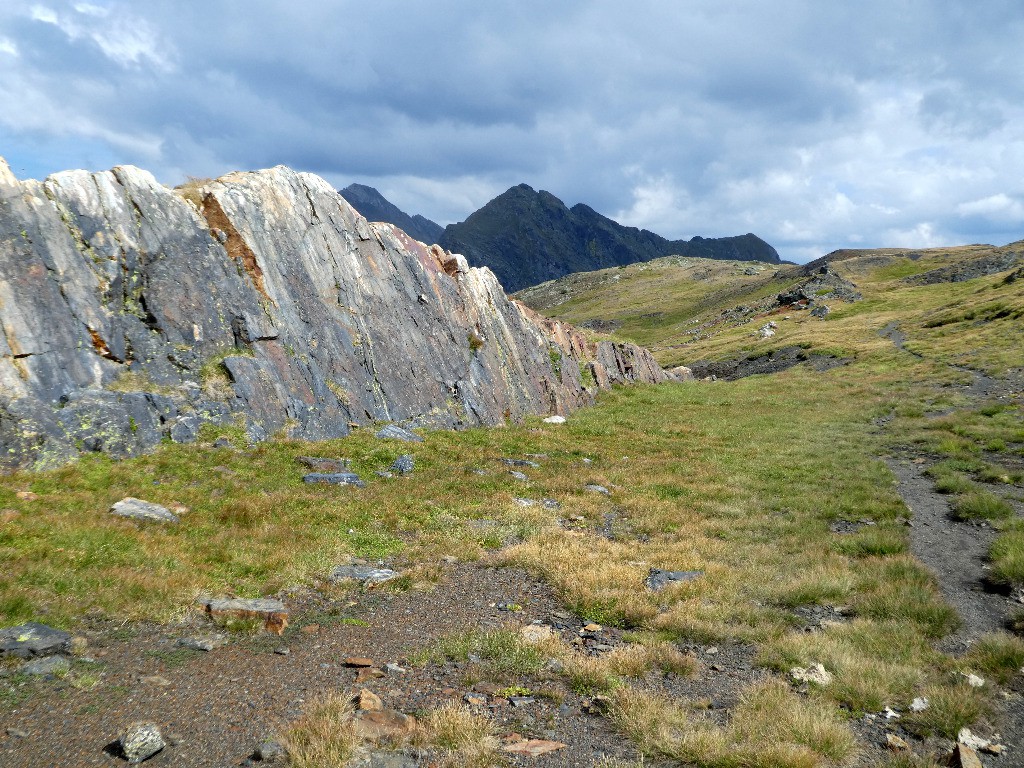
(272, 613)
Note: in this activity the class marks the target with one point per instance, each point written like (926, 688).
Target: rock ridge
(131, 313)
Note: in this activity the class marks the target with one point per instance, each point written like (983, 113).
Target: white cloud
(999, 208)
(8, 47)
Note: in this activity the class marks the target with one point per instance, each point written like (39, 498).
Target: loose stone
(403, 465)
(33, 639)
(272, 612)
(141, 741)
(137, 509)
(597, 489)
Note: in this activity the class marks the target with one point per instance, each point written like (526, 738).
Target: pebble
(282, 651)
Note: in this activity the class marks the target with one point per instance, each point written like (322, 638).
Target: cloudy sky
(816, 125)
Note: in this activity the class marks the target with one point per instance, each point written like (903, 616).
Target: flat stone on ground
(272, 612)
(33, 639)
(137, 509)
(366, 574)
(659, 579)
(334, 478)
(532, 747)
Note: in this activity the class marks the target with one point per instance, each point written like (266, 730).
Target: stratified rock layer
(130, 313)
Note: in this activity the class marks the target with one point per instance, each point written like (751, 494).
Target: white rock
(143, 510)
(920, 704)
(555, 420)
(974, 681)
(968, 739)
(891, 714)
(816, 673)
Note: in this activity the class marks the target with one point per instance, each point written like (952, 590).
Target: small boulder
(269, 752)
(965, 757)
(594, 488)
(272, 612)
(137, 509)
(384, 724)
(525, 463)
(895, 743)
(516, 474)
(815, 673)
(403, 465)
(33, 639)
(395, 432)
(141, 741)
(368, 701)
(555, 420)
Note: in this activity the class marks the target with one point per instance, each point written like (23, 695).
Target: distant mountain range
(528, 237)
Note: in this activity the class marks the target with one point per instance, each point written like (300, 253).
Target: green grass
(981, 505)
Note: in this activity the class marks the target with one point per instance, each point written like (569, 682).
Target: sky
(816, 125)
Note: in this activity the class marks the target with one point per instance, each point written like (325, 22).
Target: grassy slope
(740, 480)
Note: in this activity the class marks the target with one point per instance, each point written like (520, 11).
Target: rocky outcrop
(131, 313)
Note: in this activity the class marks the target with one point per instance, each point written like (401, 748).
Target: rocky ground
(217, 707)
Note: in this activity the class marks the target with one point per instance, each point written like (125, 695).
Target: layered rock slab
(131, 313)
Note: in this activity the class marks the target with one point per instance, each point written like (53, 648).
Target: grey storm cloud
(815, 125)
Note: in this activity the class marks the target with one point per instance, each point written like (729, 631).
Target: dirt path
(956, 553)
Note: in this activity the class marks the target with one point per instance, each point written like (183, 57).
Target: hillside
(815, 568)
(686, 310)
(373, 206)
(527, 237)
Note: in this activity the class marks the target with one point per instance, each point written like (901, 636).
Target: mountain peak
(372, 205)
(527, 237)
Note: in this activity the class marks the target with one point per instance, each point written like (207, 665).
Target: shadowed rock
(659, 579)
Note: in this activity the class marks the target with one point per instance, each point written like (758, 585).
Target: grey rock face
(143, 510)
(33, 639)
(129, 313)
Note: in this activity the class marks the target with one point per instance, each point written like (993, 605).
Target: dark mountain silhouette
(527, 237)
(372, 205)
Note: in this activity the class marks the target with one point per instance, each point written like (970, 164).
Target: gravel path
(956, 553)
